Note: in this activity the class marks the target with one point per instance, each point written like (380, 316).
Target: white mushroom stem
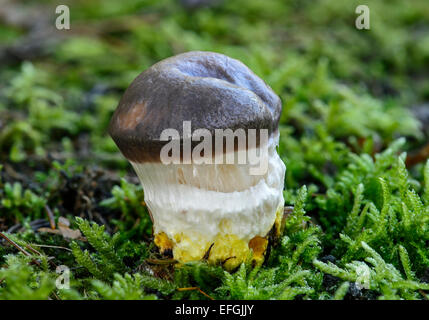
(205, 201)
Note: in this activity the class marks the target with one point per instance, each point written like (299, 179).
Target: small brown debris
(50, 217)
(418, 157)
(64, 230)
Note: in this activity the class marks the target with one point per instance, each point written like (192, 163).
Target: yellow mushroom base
(226, 249)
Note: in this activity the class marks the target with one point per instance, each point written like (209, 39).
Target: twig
(33, 250)
(56, 296)
(229, 258)
(13, 243)
(423, 294)
(48, 246)
(50, 217)
(207, 254)
(38, 253)
(195, 288)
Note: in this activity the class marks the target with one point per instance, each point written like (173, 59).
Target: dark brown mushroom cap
(209, 89)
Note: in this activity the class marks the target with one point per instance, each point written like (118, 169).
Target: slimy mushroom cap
(209, 89)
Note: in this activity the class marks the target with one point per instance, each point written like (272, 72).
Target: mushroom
(204, 209)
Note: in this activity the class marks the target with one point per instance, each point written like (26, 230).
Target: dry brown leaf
(64, 230)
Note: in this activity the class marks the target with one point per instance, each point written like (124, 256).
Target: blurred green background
(59, 87)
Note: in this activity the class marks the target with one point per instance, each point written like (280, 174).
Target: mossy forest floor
(354, 127)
